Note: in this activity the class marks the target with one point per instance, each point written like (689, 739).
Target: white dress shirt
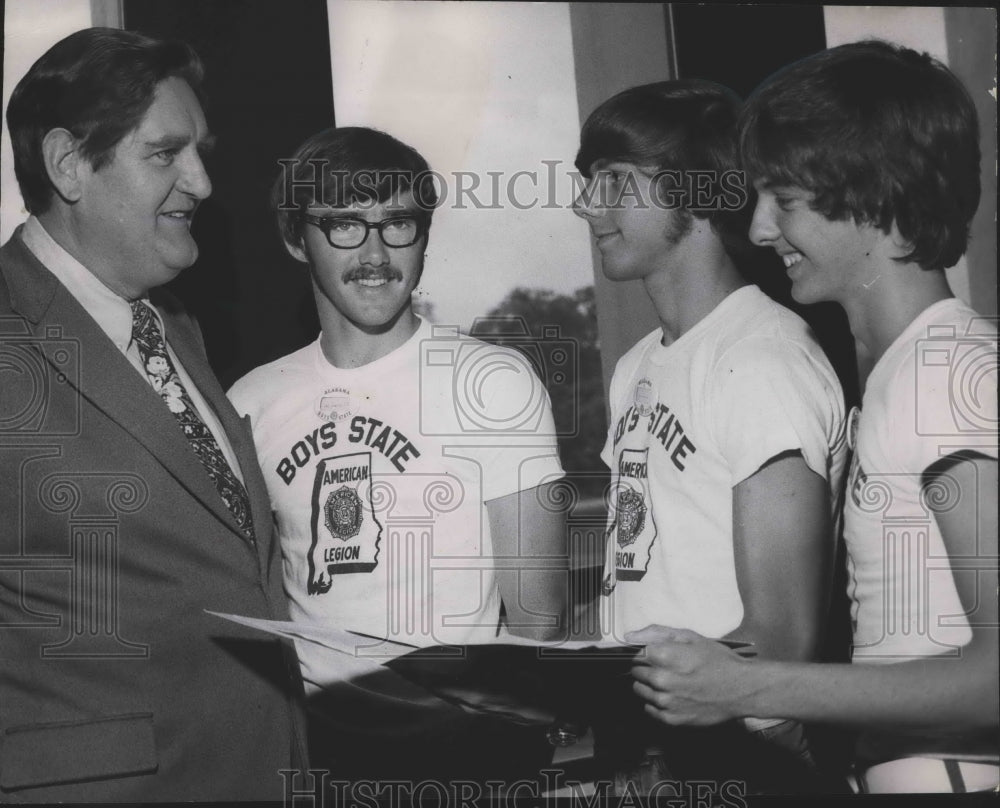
(113, 314)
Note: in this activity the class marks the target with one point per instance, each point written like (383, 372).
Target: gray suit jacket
(115, 685)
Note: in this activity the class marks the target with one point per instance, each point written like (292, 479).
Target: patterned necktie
(162, 375)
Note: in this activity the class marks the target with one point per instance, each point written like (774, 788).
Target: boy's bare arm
(692, 680)
(783, 548)
(529, 538)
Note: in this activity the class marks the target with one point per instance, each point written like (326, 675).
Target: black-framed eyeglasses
(347, 232)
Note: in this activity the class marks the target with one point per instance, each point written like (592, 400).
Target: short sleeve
(768, 396)
(515, 434)
(243, 394)
(608, 452)
(943, 401)
(614, 402)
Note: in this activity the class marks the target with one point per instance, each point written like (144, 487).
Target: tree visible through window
(558, 333)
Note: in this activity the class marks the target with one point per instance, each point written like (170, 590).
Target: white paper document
(380, 650)
(347, 642)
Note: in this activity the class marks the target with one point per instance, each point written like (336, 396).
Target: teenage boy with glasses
(397, 476)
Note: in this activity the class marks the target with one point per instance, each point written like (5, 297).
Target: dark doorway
(739, 46)
(268, 83)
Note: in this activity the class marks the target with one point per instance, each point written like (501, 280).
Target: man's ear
(63, 162)
(297, 250)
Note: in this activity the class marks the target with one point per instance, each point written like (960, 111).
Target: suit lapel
(191, 355)
(106, 378)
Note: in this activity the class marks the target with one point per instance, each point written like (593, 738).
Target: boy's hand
(685, 678)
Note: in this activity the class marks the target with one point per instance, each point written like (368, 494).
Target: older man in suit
(130, 497)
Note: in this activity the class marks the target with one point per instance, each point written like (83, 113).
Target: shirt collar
(110, 311)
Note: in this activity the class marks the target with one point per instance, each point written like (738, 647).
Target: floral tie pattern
(162, 375)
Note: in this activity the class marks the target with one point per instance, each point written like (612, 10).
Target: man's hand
(685, 678)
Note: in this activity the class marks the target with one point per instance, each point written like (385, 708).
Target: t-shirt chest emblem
(343, 512)
(335, 404)
(645, 397)
(631, 512)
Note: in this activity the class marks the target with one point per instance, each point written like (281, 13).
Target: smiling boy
(727, 425)
(866, 159)
(398, 476)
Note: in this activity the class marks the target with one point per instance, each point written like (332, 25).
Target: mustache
(372, 273)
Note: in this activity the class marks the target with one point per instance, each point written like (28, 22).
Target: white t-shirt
(378, 477)
(932, 393)
(690, 421)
